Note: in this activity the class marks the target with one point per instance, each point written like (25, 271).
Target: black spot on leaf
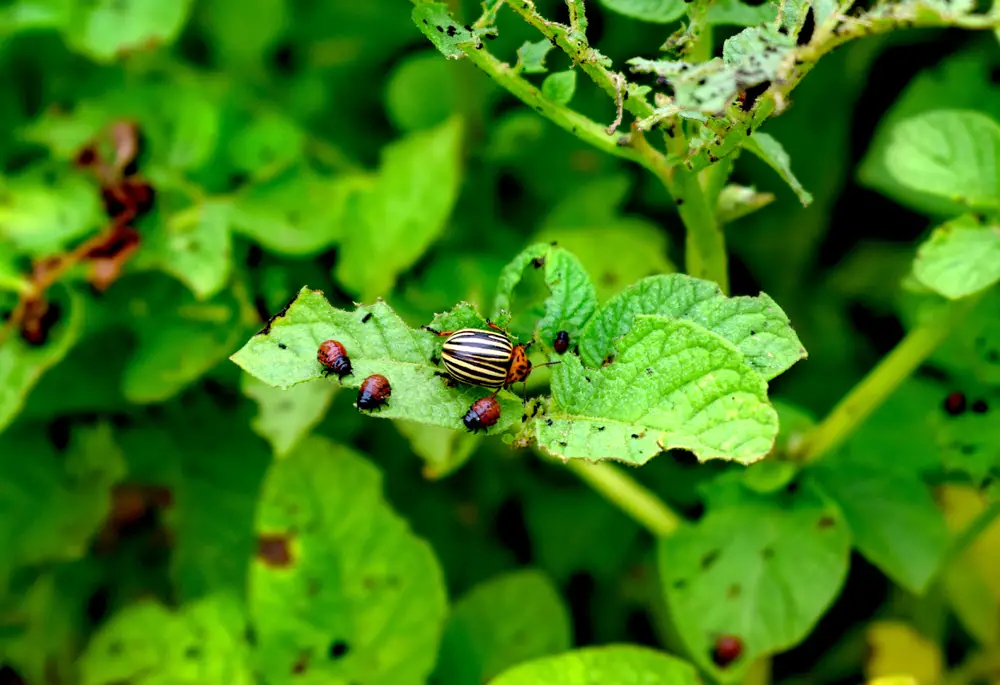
(709, 559)
(980, 407)
(338, 648)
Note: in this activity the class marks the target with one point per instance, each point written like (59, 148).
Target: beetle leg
(494, 326)
(441, 333)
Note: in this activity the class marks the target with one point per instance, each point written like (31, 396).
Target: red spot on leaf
(274, 550)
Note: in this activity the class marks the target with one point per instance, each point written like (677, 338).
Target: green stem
(881, 382)
(705, 243)
(628, 495)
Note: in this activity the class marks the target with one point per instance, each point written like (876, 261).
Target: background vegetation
(172, 174)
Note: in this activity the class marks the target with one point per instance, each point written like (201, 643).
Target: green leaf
(963, 80)
(760, 568)
(613, 663)
(736, 13)
(774, 155)
(736, 202)
(267, 144)
(193, 245)
(404, 211)
(531, 56)
(286, 416)
(961, 257)
(755, 325)
(423, 91)
(297, 213)
(40, 216)
(560, 86)
(52, 504)
(12, 278)
(500, 623)
(109, 29)
(383, 344)
(242, 38)
(654, 11)
(572, 299)
(891, 514)
(147, 643)
(673, 384)
(435, 21)
(952, 155)
(179, 339)
(442, 449)
(22, 364)
(341, 589)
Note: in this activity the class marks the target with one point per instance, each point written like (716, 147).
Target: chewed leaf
(757, 326)
(960, 258)
(283, 354)
(774, 155)
(435, 21)
(572, 300)
(672, 384)
(613, 663)
(341, 588)
(531, 56)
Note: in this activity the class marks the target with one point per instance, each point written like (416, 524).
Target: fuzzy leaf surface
(341, 588)
(757, 326)
(673, 384)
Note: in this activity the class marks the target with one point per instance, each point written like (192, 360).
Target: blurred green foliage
(186, 182)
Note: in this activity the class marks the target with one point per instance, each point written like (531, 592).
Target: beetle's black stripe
(491, 355)
(476, 368)
(478, 339)
(462, 377)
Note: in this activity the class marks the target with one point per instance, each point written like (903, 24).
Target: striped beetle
(485, 358)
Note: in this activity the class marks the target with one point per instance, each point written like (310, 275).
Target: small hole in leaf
(980, 407)
(338, 649)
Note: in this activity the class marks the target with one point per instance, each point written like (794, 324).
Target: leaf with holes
(960, 258)
(531, 56)
(950, 155)
(283, 354)
(501, 623)
(571, 300)
(757, 326)
(435, 21)
(147, 643)
(22, 364)
(762, 569)
(673, 384)
(610, 664)
(341, 589)
(404, 210)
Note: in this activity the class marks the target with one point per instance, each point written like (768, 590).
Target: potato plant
(750, 248)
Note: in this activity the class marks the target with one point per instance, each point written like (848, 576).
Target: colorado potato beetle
(485, 358)
(374, 392)
(561, 343)
(483, 413)
(334, 359)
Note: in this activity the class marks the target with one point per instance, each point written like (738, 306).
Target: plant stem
(881, 382)
(582, 127)
(705, 243)
(628, 495)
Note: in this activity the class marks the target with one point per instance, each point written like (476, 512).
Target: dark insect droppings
(980, 407)
(282, 346)
(367, 317)
(338, 649)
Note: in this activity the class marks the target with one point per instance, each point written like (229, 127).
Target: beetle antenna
(535, 366)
